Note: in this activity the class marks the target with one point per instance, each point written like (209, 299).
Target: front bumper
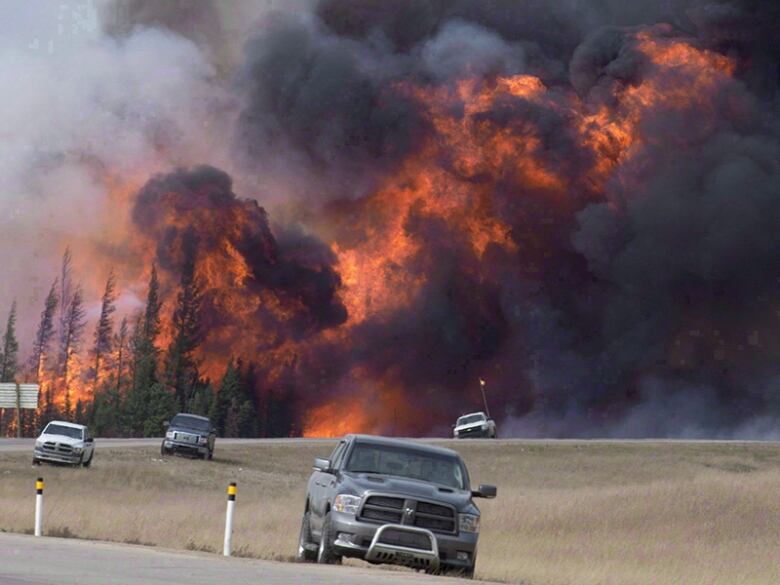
(182, 447)
(362, 539)
(472, 433)
(57, 457)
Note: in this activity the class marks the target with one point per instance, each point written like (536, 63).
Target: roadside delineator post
(39, 507)
(231, 504)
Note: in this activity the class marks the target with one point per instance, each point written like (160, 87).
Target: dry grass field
(568, 513)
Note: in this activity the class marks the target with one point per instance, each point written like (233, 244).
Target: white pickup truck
(476, 424)
(64, 442)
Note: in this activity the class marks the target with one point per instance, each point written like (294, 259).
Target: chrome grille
(185, 437)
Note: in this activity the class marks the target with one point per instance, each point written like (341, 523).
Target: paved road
(26, 560)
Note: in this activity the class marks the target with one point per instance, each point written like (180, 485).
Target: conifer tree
(181, 366)
(146, 403)
(10, 350)
(70, 342)
(44, 334)
(104, 329)
(120, 342)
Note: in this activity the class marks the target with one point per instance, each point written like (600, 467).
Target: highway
(16, 445)
(26, 560)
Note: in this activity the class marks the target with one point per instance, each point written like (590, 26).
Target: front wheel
(36, 461)
(326, 554)
(88, 462)
(307, 550)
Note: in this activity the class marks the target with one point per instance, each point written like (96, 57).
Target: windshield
(191, 422)
(404, 462)
(472, 418)
(55, 429)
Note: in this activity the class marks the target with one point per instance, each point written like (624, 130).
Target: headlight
(484, 426)
(468, 522)
(345, 503)
(169, 435)
(78, 450)
(203, 440)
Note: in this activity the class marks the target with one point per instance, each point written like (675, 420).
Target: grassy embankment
(567, 513)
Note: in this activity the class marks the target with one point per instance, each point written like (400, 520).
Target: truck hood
(61, 439)
(361, 483)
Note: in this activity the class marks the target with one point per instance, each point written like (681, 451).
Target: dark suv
(392, 501)
(189, 433)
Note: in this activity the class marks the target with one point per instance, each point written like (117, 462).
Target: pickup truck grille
(471, 432)
(53, 447)
(185, 437)
(393, 510)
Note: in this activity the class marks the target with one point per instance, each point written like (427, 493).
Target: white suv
(64, 442)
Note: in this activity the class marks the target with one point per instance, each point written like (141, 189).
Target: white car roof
(65, 423)
(472, 414)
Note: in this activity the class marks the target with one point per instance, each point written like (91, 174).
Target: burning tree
(104, 331)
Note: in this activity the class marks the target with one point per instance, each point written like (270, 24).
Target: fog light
(462, 555)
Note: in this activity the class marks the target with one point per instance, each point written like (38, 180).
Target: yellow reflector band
(232, 489)
(38, 485)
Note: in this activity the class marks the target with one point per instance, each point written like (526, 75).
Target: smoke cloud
(576, 201)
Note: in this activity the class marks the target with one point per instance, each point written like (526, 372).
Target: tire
(36, 461)
(453, 572)
(88, 462)
(210, 455)
(326, 553)
(163, 450)
(305, 554)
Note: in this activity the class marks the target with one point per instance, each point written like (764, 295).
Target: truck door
(324, 484)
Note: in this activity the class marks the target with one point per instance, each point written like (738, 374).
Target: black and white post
(231, 504)
(39, 507)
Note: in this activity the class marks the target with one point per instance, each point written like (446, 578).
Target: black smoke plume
(646, 304)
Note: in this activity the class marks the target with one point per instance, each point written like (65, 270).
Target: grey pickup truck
(392, 501)
(189, 433)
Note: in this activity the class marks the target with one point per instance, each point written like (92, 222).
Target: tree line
(125, 383)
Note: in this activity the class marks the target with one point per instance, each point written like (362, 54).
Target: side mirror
(89, 440)
(485, 491)
(166, 424)
(322, 465)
